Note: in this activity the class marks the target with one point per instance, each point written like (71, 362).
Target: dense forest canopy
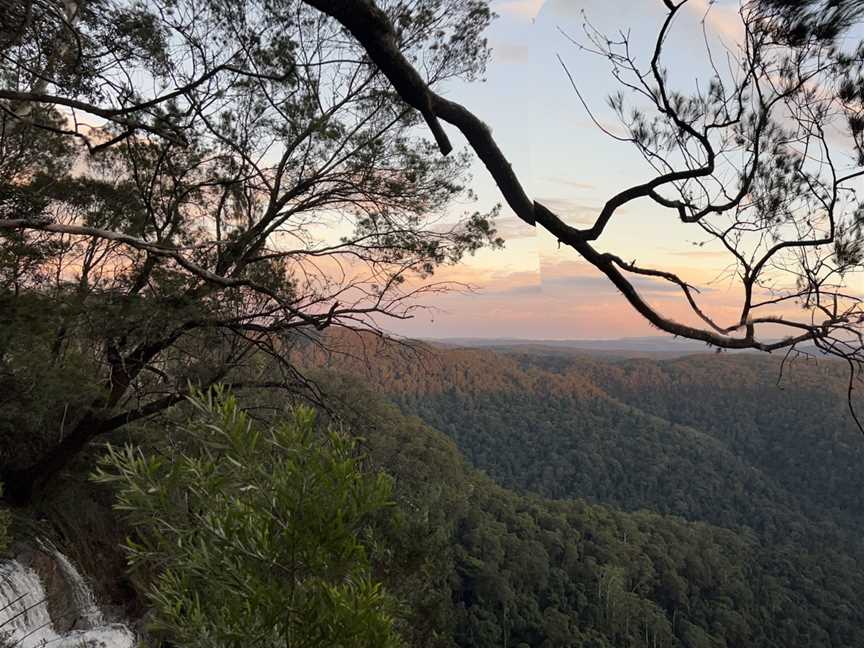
(474, 564)
(771, 473)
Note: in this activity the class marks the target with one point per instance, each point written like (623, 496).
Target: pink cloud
(575, 300)
(524, 8)
(721, 17)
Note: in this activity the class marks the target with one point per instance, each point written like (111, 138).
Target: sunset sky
(532, 289)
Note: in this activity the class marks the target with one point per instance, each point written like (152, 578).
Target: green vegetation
(523, 571)
(708, 438)
(551, 425)
(254, 535)
(461, 561)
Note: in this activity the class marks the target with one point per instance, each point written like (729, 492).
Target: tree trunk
(21, 486)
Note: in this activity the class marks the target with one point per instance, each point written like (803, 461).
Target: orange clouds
(563, 298)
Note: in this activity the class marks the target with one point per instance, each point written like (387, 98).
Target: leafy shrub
(255, 535)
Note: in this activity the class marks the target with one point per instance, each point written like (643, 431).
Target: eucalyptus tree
(763, 158)
(186, 187)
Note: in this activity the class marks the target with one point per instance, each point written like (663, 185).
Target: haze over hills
(566, 424)
(628, 346)
(647, 343)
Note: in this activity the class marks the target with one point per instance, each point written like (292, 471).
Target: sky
(532, 289)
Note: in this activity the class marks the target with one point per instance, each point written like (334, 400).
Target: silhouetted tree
(187, 188)
(750, 160)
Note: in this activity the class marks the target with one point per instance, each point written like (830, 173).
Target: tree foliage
(255, 535)
(184, 185)
(823, 19)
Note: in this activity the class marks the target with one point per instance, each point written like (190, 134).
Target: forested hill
(483, 567)
(523, 570)
(708, 437)
(790, 426)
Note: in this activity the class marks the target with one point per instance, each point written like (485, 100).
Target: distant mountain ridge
(647, 344)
